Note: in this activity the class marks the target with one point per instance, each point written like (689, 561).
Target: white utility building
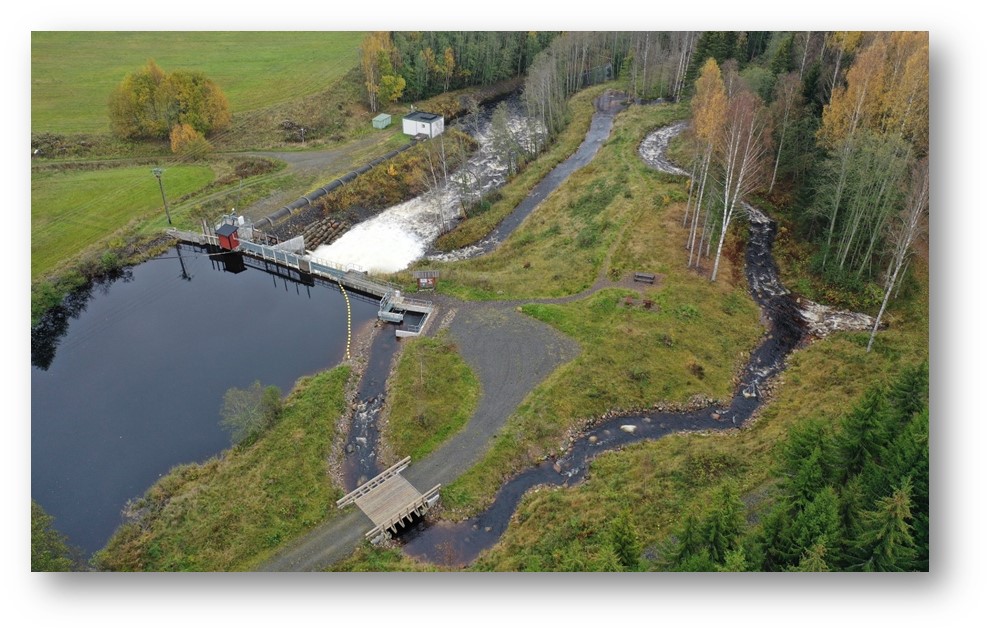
(425, 123)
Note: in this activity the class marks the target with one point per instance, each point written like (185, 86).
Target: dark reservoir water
(135, 383)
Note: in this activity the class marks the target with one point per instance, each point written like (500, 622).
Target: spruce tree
(886, 543)
(818, 522)
(813, 560)
(624, 542)
(910, 392)
(724, 524)
(863, 433)
(736, 561)
(687, 542)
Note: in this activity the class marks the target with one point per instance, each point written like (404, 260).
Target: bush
(189, 143)
(247, 413)
(150, 103)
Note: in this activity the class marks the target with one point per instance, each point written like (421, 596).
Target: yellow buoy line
(347, 301)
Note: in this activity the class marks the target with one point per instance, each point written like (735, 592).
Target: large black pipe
(320, 192)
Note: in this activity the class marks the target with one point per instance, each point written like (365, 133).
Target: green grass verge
(432, 395)
(73, 209)
(368, 558)
(74, 72)
(232, 512)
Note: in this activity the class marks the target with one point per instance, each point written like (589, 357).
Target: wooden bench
(645, 278)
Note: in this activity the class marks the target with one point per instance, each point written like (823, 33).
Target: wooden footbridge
(390, 501)
(393, 305)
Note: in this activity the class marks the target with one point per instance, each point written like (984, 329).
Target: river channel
(133, 384)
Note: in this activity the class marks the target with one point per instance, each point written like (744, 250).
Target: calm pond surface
(135, 383)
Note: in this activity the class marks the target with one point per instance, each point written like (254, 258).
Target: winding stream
(460, 543)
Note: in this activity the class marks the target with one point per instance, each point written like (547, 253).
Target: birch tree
(708, 120)
(910, 225)
(685, 46)
(872, 128)
(843, 116)
(741, 157)
(372, 48)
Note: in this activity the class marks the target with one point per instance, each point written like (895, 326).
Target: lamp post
(157, 171)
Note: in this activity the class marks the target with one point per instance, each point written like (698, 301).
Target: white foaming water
(401, 234)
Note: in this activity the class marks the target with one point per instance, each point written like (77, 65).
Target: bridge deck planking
(384, 502)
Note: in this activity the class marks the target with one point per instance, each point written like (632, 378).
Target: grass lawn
(74, 72)
(74, 209)
(431, 396)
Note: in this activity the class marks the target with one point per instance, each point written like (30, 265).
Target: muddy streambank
(449, 543)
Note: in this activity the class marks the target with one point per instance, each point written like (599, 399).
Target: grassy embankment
(431, 396)
(232, 512)
(73, 209)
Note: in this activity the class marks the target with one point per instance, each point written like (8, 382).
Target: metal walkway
(390, 501)
(392, 304)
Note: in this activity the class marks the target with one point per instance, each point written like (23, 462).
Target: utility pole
(157, 171)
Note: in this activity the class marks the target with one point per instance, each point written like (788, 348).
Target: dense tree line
(850, 497)
(418, 64)
(839, 126)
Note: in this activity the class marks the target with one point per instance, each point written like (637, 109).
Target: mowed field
(73, 209)
(74, 72)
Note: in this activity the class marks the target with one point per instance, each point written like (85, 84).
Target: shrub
(150, 103)
(188, 142)
(247, 413)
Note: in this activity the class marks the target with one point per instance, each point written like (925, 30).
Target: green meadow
(74, 72)
(73, 209)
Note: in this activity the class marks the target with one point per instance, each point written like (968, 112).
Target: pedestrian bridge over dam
(286, 257)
